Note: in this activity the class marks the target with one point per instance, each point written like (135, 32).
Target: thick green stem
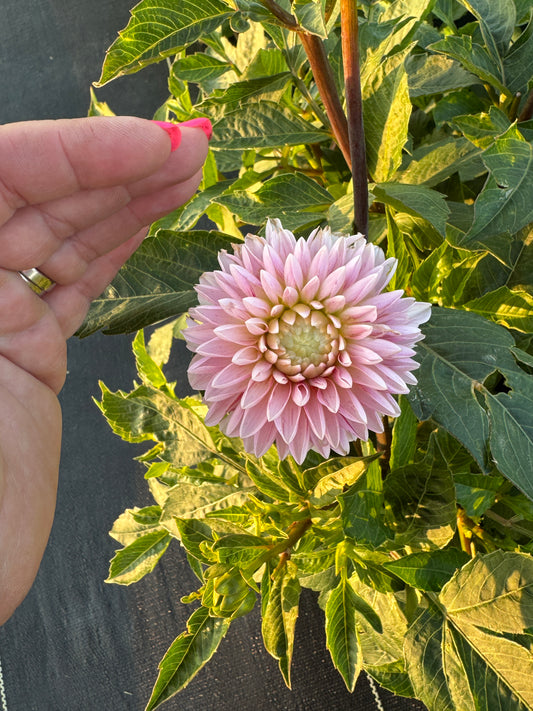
(354, 106)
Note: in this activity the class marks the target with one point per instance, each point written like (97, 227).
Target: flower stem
(325, 81)
(322, 73)
(354, 105)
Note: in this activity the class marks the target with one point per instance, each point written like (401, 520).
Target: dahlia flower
(296, 343)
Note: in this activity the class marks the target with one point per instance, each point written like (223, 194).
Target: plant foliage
(420, 546)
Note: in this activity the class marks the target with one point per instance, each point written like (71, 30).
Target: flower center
(304, 343)
(301, 345)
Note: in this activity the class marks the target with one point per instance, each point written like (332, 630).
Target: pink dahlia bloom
(296, 344)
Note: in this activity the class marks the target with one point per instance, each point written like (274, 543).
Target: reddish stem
(354, 106)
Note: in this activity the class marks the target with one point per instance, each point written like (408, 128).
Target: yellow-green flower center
(304, 343)
(301, 342)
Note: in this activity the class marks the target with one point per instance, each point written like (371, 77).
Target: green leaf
(196, 500)
(98, 108)
(397, 249)
(432, 164)
(159, 29)
(366, 611)
(459, 351)
(293, 198)
(157, 282)
(310, 16)
(502, 598)
(194, 534)
(267, 126)
(513, 309)
(403, 446)
(238, 93)
(421, 497)
(280, 611)
(476, 492)
(267, 481)
(341, 632)
(362, 508)
(497, 19)
(149, 414)
(454, 663)
(423, 655)
(428, 570)
(518, 63)
(162, 338)
(383, 651)
(386, 113)
(240, 548)
(435, 74)
(333, 484)
(201, 203)
(138, 558)
(474, 59)
(187, 655)
(506, 202)
(200, 68)
(498, 670)
(134, 523)
(417, 200)
(150, 372)
(483, 128)
(511, 437)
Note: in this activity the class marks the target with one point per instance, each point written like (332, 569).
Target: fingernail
(173, 131)
(203, 123)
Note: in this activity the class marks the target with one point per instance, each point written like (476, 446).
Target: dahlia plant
(354, 278)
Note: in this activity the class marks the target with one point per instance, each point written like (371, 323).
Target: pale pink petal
(329, 397)
(334, 377)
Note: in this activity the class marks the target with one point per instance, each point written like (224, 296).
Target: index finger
(46, 160)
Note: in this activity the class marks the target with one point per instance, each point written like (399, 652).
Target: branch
(354, 105)
(325, 81)
(284, 17)
(322, 73)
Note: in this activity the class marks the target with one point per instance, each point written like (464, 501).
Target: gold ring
(37, 281)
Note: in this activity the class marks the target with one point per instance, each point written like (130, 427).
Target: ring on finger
(37, 281)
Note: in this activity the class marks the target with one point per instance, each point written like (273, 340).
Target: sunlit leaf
(149, 414)
(386, 112)
(138, 558)
(474, 59)
(341, 634)
(188, 654)
(280, 611)
(158, 29)
(293, 198)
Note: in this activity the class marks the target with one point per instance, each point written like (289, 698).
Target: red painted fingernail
(202, 123)
(173, 131)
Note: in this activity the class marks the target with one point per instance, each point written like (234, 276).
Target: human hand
(75, 198)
